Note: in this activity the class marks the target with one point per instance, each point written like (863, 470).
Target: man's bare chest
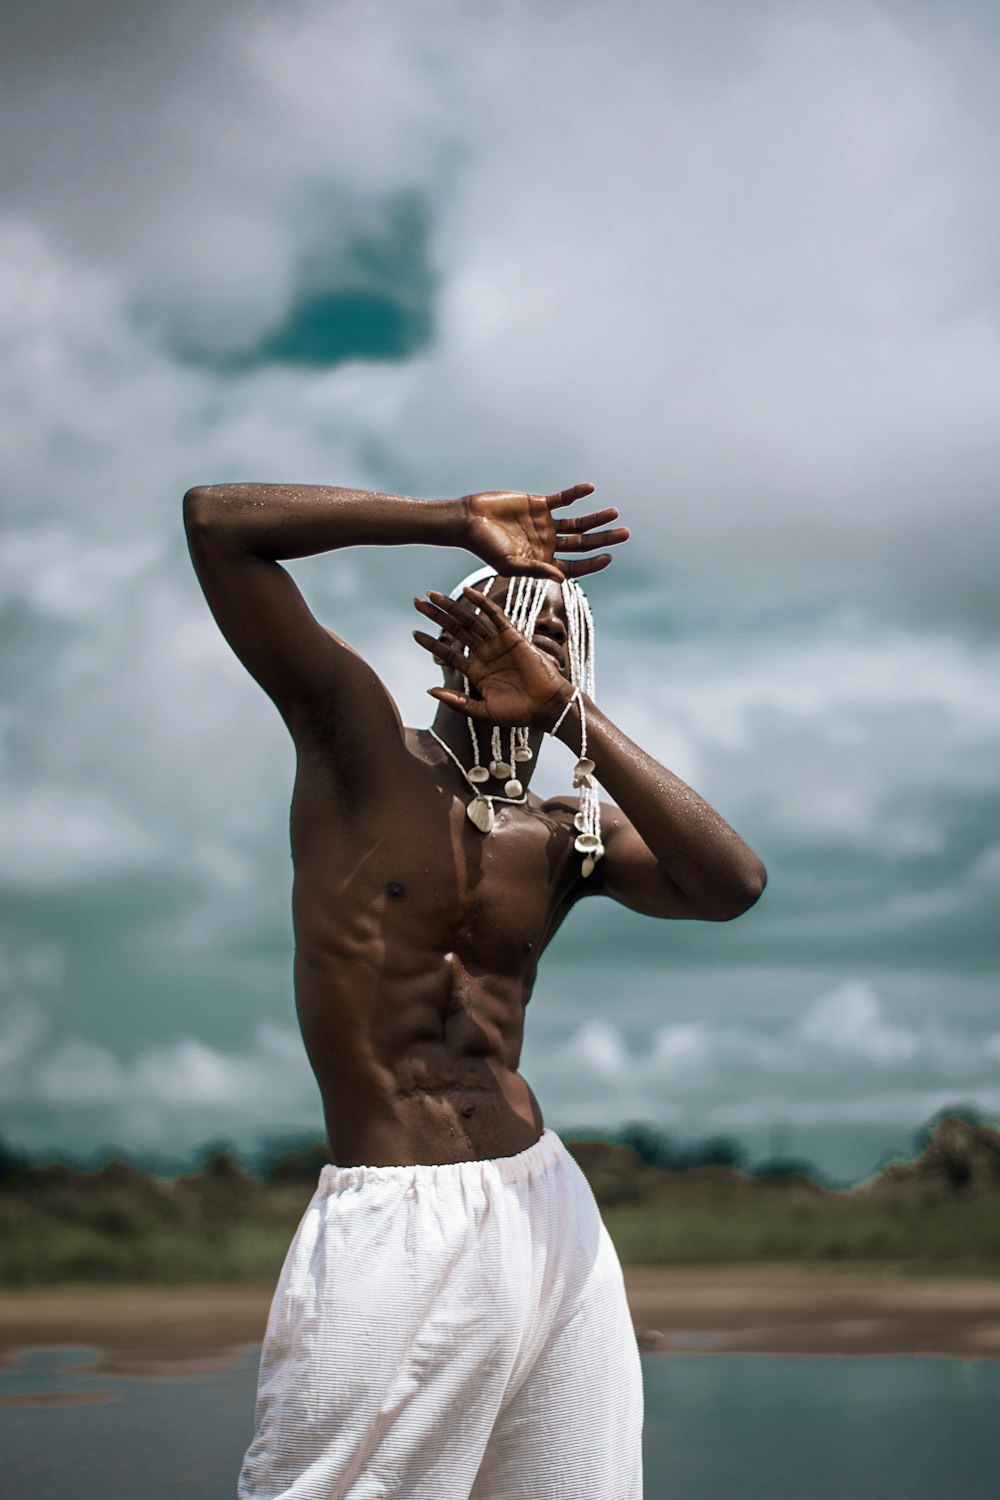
(414, 880)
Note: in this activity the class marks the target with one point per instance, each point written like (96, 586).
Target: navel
(395, 889)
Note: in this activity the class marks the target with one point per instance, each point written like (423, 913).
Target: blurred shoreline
(726, 1309)
(61, 1225)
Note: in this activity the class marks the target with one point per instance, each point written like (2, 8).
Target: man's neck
(453, 728)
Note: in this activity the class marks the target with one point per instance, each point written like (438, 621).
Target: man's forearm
(300, 520)
(695, 846)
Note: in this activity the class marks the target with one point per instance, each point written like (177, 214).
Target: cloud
(738, 267)
(598, 1048)
(987, 867)
(60, 835)
(850, 1022)
(66, 576)
(235, 183)
(843, 1059)
(903, 1107)
(750, 310)
(21, 1028)
(182, 1092)
(740, 273)
(78, 1073)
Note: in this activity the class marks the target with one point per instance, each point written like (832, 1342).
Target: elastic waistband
(546, 1150)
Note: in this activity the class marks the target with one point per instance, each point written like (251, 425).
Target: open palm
(518, 686)
(518, 533)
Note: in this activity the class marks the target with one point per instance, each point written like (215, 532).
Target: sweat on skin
(454, 1223)
(417, 936)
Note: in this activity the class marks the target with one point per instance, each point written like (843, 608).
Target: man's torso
(417, 941)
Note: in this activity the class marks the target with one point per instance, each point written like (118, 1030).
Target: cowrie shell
(513, 788)
(500, 768)
(479, 773)
(587, 868)
(522, 753)
(583, 767)
(579, 822)
(586, 843)
(480, 812)
(579, 781)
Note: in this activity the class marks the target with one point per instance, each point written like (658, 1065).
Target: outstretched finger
(577, 569)
(567, 497)
(586, 523)
(458, 610)
(474, 707)
(443, 651)
(489, 607)
(596, 539)
(467, 627)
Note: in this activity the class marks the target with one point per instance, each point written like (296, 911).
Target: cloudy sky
(735, 264)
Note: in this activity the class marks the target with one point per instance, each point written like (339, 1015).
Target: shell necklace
(480, 810)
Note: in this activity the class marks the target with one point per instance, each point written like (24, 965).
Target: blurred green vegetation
(222, 1223)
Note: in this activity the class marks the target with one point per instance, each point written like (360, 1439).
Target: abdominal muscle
(417, 943)
(421, 1071)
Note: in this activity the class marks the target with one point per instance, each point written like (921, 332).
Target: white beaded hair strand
(522, 606)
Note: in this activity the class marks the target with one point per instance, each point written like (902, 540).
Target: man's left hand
(518, 685)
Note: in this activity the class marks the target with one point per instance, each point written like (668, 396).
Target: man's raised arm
(669, 854)
(299, 520)
(236, 534)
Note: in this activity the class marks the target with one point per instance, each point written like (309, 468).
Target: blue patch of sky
(372, 298)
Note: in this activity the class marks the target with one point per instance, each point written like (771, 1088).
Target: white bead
(586, 843)
(500, 768)
(587, 868)
(479, 773)
(513, 788)
(523, 753)
(480, 812)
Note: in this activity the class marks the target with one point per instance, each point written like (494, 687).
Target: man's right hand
(517, 533)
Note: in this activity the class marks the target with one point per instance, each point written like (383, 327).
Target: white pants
(450, 1333)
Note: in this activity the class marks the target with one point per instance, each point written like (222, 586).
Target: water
(771, 1427)
(757, 1427)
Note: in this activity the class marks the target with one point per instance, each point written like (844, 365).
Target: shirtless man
(450, 1321)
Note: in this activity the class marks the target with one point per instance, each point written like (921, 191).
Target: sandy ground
(793, 1309)
(786, 1309)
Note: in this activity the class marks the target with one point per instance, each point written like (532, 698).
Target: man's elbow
(739, 899)
(208, 515)
(197, 509)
